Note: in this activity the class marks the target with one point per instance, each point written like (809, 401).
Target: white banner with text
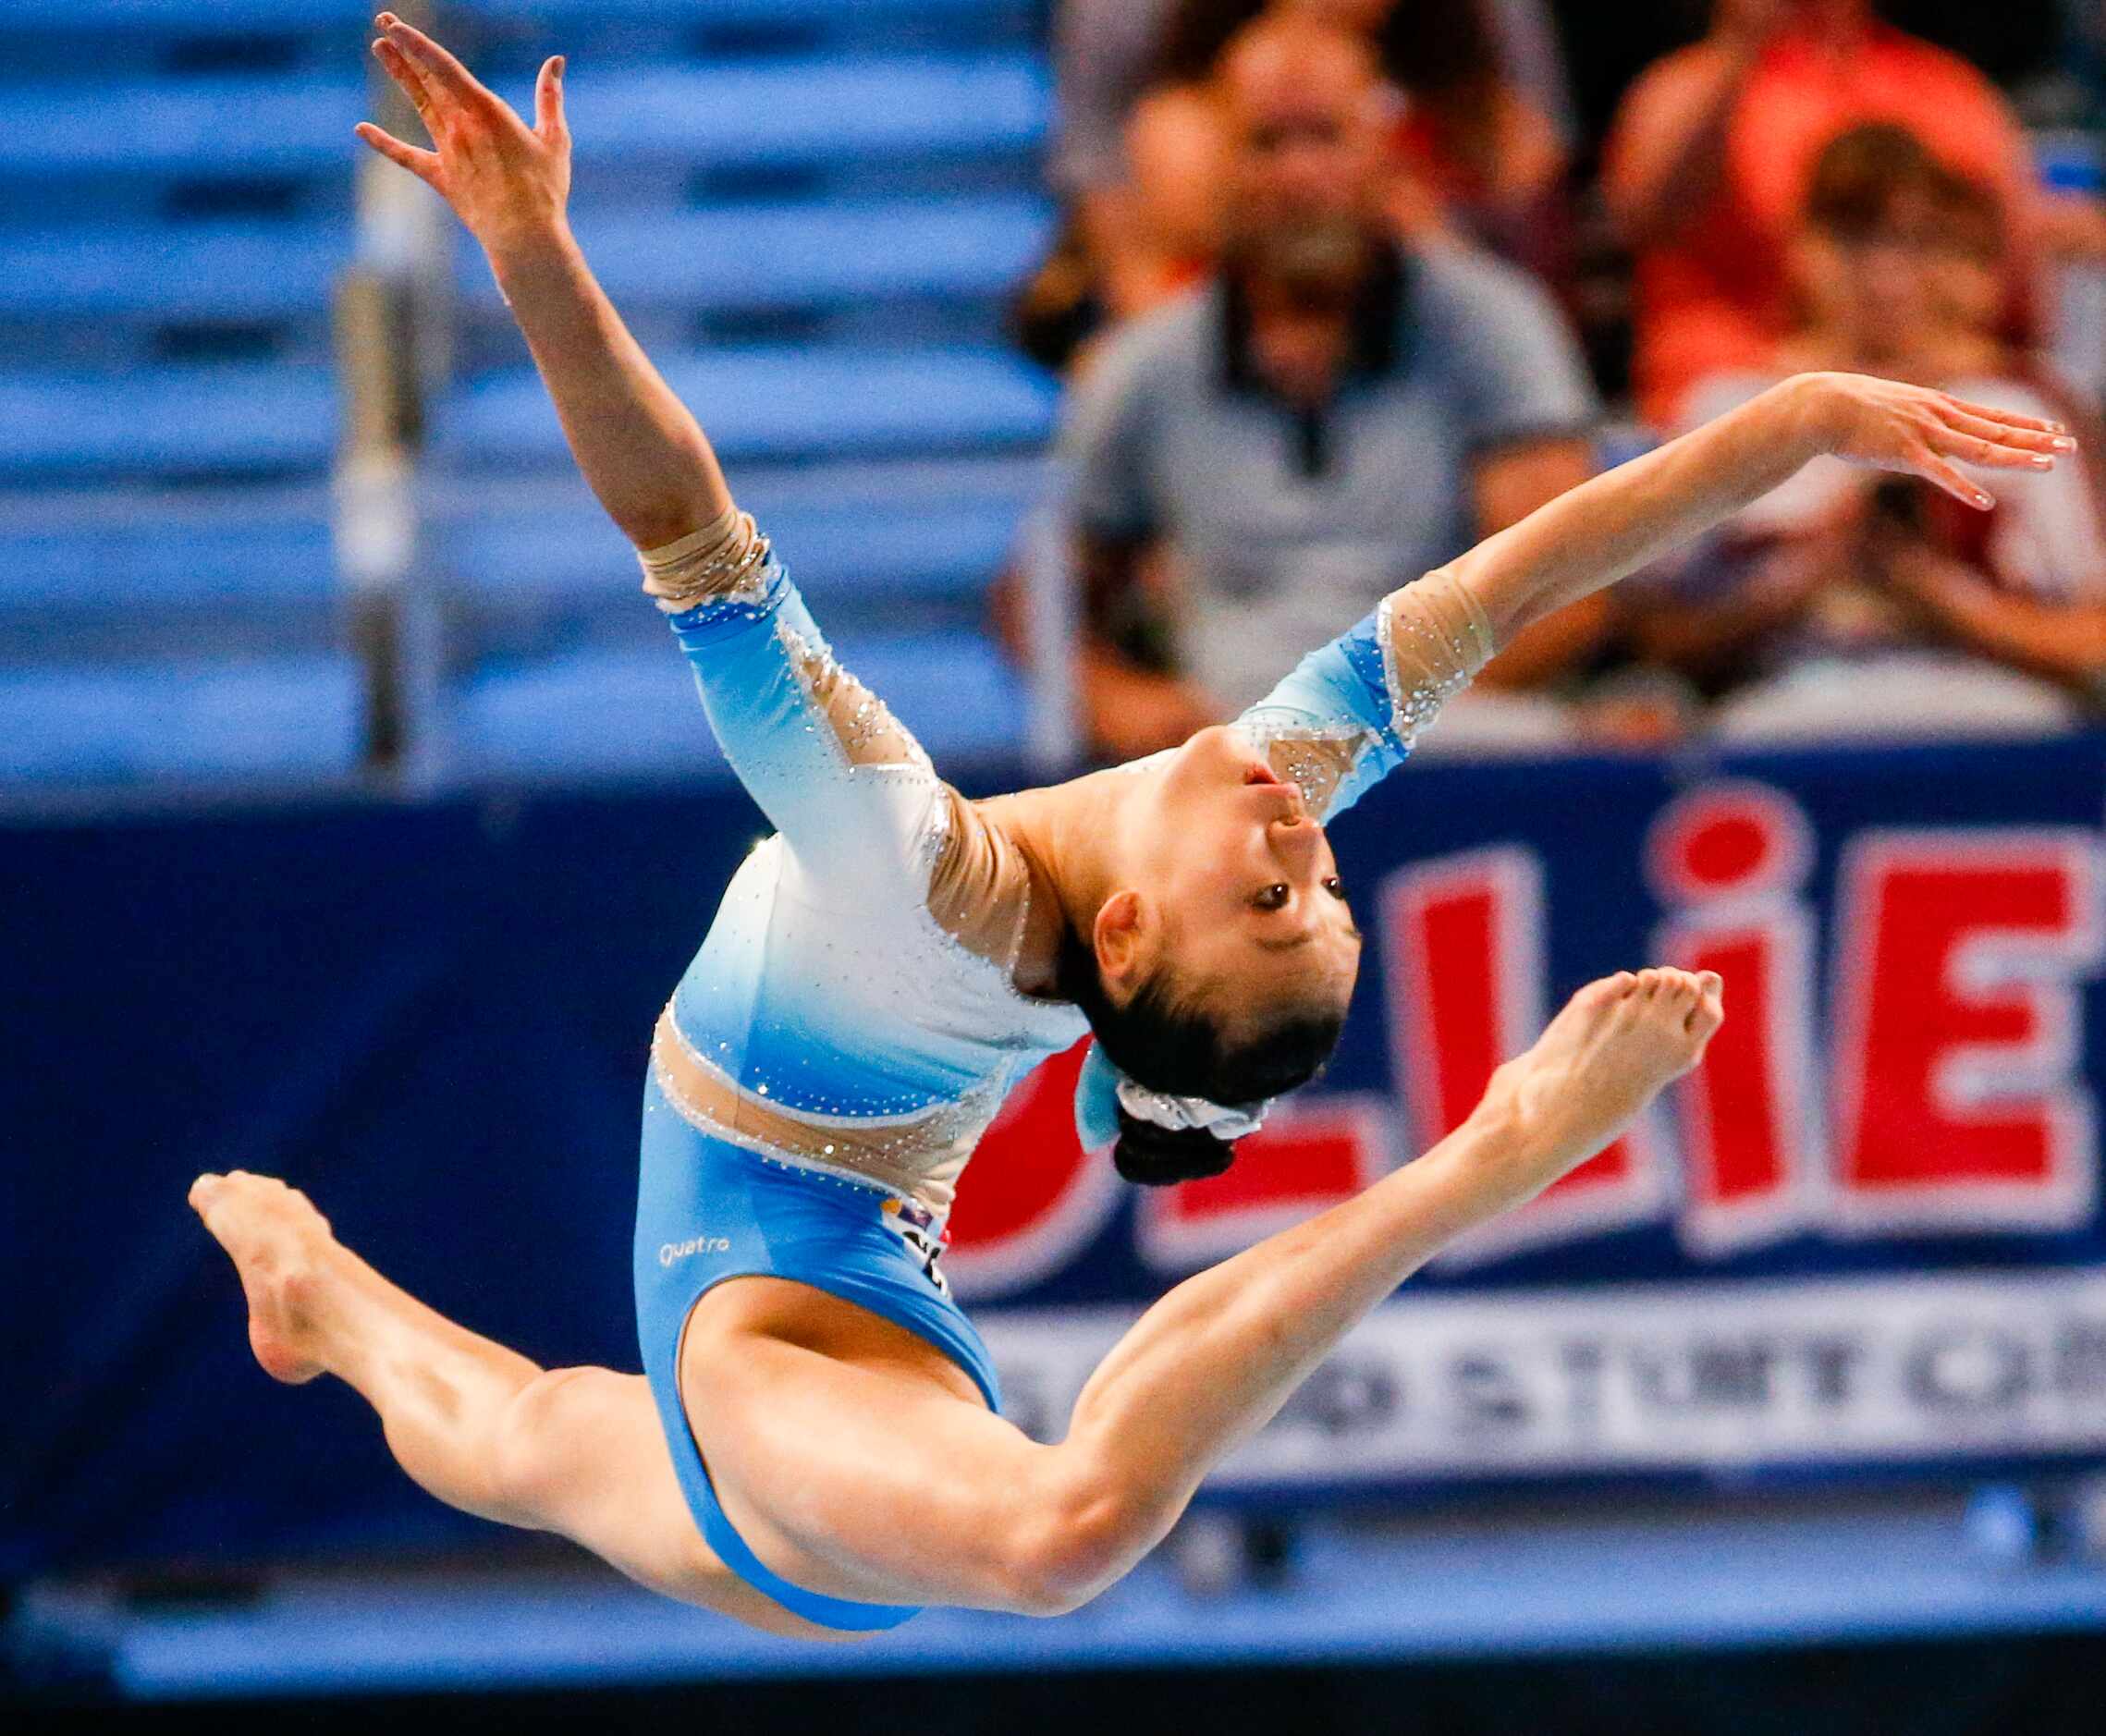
(1667, 1376)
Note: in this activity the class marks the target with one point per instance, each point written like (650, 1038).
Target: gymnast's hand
(1883, 425)
(504, 180)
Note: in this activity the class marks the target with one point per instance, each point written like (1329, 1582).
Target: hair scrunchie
(1225, 1121)
(1102, 1091)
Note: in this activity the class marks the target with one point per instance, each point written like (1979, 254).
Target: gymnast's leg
(853, 1473)
(577, 1451)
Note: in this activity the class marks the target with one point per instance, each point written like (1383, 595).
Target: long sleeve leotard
(852, 1009)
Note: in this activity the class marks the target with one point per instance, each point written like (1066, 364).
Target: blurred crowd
(1345, 285)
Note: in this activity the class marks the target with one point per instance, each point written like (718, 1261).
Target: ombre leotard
(851, 1025)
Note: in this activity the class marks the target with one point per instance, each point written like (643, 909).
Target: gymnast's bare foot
(1617, 1043)
(283, 1249)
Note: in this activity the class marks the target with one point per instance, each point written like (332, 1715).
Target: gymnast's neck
(1070, 836)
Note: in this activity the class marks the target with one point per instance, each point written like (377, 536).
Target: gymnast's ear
(1121, 938)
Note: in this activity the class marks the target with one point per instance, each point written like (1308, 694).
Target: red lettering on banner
(1958, 1101)
(1733, 854)
(1467, 967)
(1751, 1156)
(1034, 1198)
(1956, 1095)
(1310, 1156)
(1732, 838)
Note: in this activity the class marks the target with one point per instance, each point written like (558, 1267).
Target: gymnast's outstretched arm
(796, 727)
(644, 454)
(1350, 711)
(1629, 517)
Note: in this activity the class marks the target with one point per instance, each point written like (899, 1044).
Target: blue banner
(1863, 1234)
(1866, 1234)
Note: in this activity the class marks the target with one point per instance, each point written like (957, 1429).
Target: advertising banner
(1867, 1235)
(1865, 1231)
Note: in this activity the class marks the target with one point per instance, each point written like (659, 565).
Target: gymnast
(817, 1446)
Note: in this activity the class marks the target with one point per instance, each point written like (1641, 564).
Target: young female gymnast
(817, 1445)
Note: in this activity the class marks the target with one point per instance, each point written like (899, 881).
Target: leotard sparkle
(851, 1025)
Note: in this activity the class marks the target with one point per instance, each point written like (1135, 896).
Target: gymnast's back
(854, 1008)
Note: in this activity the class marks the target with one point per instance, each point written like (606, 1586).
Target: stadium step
(223, 124)
(771, 402)
(812, 110)
(813, 256)
(173, 272)
(623, 713)
(186, 422)
(946, 552)
(293, 718)
(125, 556)
(800, 109)
(841, 16)
(155, 26)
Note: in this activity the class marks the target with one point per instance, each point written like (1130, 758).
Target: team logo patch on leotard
(924, 1235)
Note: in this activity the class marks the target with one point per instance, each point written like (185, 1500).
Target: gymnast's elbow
(1063, 1553)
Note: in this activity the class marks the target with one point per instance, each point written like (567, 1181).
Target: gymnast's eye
(1334, 887)
(1274, 898)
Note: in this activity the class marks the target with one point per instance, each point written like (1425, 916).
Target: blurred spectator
(2020, 44)
(1484, 135)
(1481, 135)
(1334, 416)
(1840, 605)
(1103, 53)
(1710, 158)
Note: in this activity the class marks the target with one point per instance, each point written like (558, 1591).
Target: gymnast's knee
(530, 1458)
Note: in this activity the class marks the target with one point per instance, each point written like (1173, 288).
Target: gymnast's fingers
(2022, 436)
(2004, 418)
(412, 83)
(424, 165)
(1992, 453)
(548, 119)
(442, 71)
(1933, 469)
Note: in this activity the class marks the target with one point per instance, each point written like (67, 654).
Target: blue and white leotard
(851, 1025)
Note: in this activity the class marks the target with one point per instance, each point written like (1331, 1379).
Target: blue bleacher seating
(160, 19)
(868, 558)
(810, 110)
(735, 114)
(295, 719)
(248, 124)
(247, 419)
(783, 402)
(91, 43)
(510, 35)
(635, 713)
(175, 188)
(228, 560)
(812, 255)
(557, 15)
(224, 271)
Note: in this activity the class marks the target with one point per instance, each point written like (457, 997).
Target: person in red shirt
(1842, 606)
(1709, 156)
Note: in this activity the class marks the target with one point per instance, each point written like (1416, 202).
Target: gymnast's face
(1232, 886)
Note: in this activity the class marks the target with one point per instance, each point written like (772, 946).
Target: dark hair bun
(1161, 1158)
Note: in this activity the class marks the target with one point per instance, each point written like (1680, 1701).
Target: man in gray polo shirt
(1335, 415)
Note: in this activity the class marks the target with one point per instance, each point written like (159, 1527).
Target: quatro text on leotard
(673, 1251)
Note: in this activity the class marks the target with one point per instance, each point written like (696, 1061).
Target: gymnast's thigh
(854, 1458)
(584, 1449)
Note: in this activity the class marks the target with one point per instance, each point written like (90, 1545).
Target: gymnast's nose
(1295, 840)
